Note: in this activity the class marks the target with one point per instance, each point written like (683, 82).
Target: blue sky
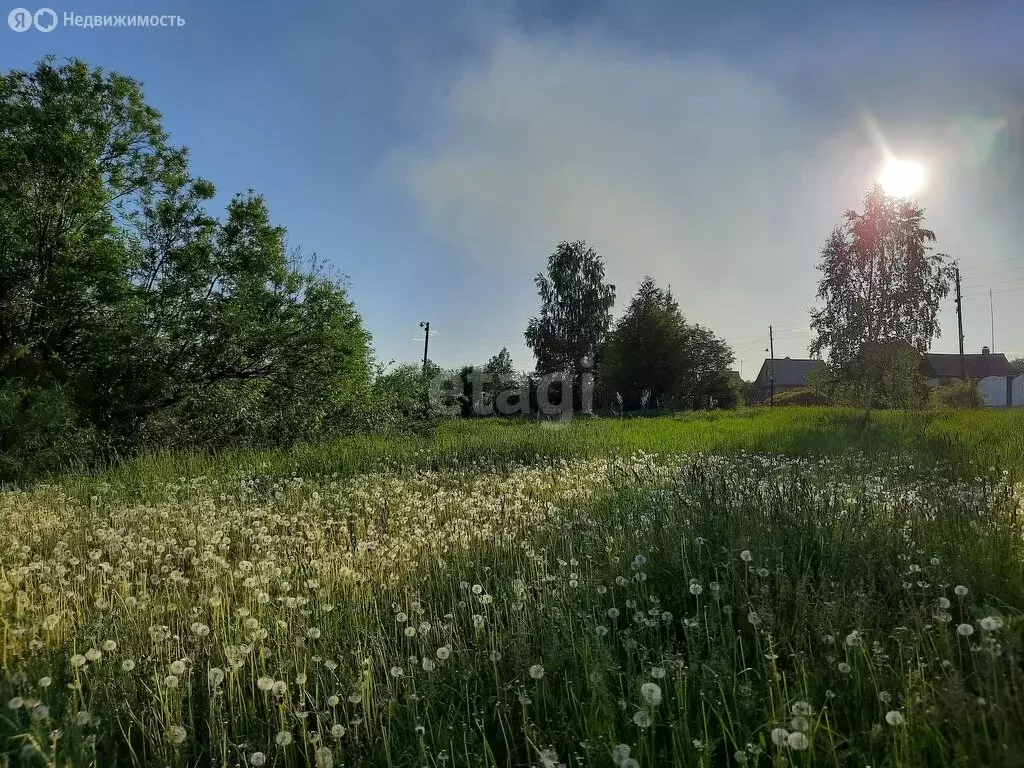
(436, 152)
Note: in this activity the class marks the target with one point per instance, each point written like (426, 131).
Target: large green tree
(881, 286)
(575, 309)
(653, 350)
(117, 285)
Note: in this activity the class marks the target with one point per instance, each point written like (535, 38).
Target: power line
(997, 272)
(985, 293)
(989, 263)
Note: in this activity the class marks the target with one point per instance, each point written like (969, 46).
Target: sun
(901, 178)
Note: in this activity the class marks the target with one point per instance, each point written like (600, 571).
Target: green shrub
(801, 396)
(959, 394)
(40, 433)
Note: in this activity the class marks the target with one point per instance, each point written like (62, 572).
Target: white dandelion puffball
(324, 758)
(265, 683)
(798, 741)
(337, 730)
(894, 718)
(943, 603)
(178, 667)
(215, 676)
(780, 737)
(397, 671)
(171, 681)
(536, 671)
(257, 759)
(176, 734)
(641, 719)
(620, 753)
(844, 667)
(658, 673)
(93, 654)
(745, 556)
(801, 708)
(16, 703)
(696, 589)
(965, 630)
(78, 660)
(109, 645)
(800, 724)
(128, 665)
(444, 652)
(991, 623)
(960, 590)
(44, 682)
(651, 693)
(283, 738)
(280, 688)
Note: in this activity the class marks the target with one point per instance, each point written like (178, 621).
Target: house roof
(978, 365)
(789, 372)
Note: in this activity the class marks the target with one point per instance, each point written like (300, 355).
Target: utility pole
(771, 348)
(992, 319)
(960, 326)
(426, 341)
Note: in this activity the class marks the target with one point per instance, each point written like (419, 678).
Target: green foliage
(801, 396)
(40, 432)
(1017, 366)
(881, 286)
(654, 350)
(575, 310)
(163, 325)
(888, 375)
(958, 394)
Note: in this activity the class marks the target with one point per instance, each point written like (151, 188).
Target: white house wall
(1018, 391)
(993, 391)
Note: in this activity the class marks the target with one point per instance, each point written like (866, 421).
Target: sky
(435, 153)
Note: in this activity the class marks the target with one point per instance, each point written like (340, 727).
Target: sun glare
(901, 178)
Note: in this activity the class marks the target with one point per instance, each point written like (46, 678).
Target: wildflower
(410, 631)
(444, 652)
(536, 671)
(696, 589)
(177, 667)
(283, 738)
(78, 660)
(641, 719)
(264, 683)
(495, 656)
(894, 718)
(280, 688)
(313, 633)
(40, 712)
(428, 664)
(613, 613)
(965, 630)
(324, 758)
(651, 693)
(477, 589)
(337, 730)
(44, 682)
(658, 673)
(780, 736)
(745, 556)
(991, 623)
(257, 759)
(844, 667)
(798, 741)
(960, 590)
(215, 676)
(853, 639)
(620, 753)
(333, 701)
(801, 708)
(800, 724)
(128, 665)
(944, 603)
(397, 672)
(176, 734)
(171, 682)
(753, 618)
(93, 654)
(109, 645)
(16, 703)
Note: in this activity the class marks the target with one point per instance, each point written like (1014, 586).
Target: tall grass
(510, 595)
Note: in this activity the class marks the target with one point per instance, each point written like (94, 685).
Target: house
(790, 374)
(943, 369)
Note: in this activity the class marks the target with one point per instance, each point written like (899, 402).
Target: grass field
(755, 588)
